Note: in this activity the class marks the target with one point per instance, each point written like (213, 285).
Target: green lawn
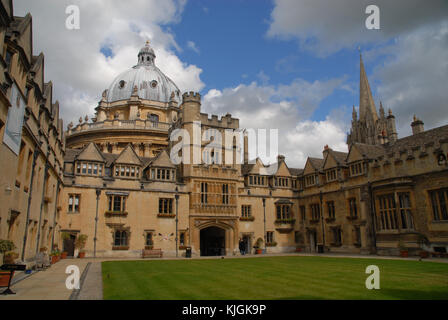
(292, 277)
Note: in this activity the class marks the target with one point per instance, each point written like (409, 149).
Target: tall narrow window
(225, 194)
(387, 214)
(405, 211)
(353, 208)
(204, 190)
(303, 213)
(439, 202)
(149, 239)
(73, 202)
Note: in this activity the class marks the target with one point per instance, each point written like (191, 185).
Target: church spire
(367, 107)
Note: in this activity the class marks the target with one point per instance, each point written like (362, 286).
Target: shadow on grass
(386, 294)
(401, 294)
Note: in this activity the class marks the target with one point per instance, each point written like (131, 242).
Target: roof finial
(147, 42)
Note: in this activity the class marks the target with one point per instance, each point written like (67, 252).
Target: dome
(151, 83)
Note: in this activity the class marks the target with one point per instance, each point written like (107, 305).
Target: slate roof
(70, 155)
(295, 171)
(370, 151)
(316, 163)
(419, 139)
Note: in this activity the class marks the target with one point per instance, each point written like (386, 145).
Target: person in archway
(241, 246)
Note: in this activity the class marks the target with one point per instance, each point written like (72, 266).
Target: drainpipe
(372, 214)
(98, 193)
(42, 199)
(322, 219)
(55, 212)
(177, 221)
(25, 236)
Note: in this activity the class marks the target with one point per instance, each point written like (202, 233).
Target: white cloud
(192, 46)
(414, 79)
(327, 26)
(413, 39)
(73, 61)
(308, 138)
(287, 108)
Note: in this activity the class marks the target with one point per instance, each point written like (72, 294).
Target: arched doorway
(213, 241)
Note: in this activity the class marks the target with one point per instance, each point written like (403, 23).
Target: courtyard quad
(267, 278)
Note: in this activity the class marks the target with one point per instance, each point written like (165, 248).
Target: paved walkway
(45, 285)
(50, 284)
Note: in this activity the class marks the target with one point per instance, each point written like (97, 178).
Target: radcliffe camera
(223, 159)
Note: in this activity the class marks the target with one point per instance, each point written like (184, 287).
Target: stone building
(383, 193)
(32, 141)
(113, 177)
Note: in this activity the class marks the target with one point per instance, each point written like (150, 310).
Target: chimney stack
(417, 126)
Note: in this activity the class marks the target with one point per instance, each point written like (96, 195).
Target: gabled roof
(247, 168)
(316, 163)
(340, 158)
(296, 171)
(128, 156)
(367, 151)
(313, 165)
(161, 160)
(90, 153)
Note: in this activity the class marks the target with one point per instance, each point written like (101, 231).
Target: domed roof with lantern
(150, 82)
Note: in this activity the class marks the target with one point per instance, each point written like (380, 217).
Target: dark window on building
(225, 194)
(407, 221)
(353, 208)
(165, 206)
(269, 237)
(387, 212)
(182, 238)
(303, 213)
(330, 209)
(315, 211)
(439, 201)
(149, 239)
(246, 211)
(121, 238)
(337, 236)
(283, 211)
(204, 190)
(117, 203)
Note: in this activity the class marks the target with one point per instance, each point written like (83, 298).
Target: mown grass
(292, 277)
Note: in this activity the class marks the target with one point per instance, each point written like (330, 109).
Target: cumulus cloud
(286, 108)
(414, 78)
(75, 59)
(412, 41)
(325, 27)
(307, 139)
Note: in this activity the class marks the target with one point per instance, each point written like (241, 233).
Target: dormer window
(257, 180)
(89, 168)
(331, 175)
(281, 182)
(312, 180)
(121, 84)
(162, 174)
(127, 171)
(356, 169)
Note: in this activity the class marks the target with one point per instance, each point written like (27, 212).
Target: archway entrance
(213, 241)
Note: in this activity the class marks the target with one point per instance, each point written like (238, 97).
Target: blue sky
(291, 65)
(234, 49)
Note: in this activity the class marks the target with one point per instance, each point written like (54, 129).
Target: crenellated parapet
(191, 97)
(225, 121)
